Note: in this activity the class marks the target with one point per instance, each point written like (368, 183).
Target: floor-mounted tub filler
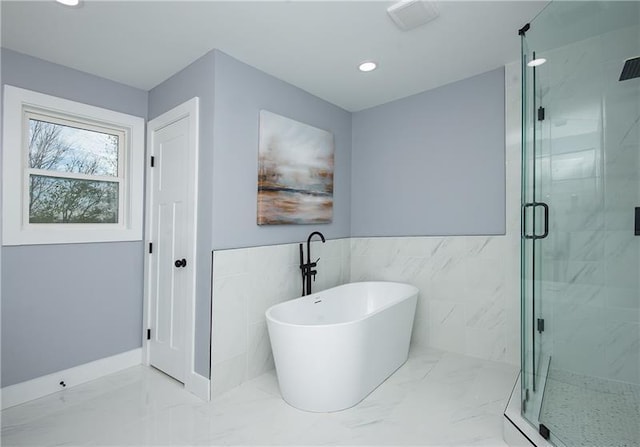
(332, 348)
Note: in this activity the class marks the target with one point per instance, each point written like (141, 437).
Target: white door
(171, 267)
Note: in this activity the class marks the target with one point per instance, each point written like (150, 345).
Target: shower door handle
(524, 221)
(533, 235)
(545, 233)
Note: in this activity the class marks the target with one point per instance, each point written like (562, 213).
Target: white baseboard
(199, 385)
(42, 386)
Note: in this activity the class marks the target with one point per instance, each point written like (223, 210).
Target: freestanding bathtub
(332, 348)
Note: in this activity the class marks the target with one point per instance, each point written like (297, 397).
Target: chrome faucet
(308, 267)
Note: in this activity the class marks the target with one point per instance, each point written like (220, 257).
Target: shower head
(631, 69)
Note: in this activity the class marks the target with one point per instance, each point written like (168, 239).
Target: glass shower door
(580, 192)
(535, 229)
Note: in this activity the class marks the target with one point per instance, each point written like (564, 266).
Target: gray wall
(196, 80)
(65, 305)
(432, 163)
(436, 159)
(241, 92)
(35, 74)
(231, 95)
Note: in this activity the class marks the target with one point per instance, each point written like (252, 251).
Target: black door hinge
(153, 161)
(540, 113)
(540, 324)
(150, 247)
(148, 334)
(544, 431)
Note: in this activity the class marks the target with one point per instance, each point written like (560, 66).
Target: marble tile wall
(468, 304)
(469, 294)
(246, 282)
(469, 289)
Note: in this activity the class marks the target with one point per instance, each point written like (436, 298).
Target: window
(71, 172)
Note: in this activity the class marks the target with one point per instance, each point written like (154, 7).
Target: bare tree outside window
(68, 167)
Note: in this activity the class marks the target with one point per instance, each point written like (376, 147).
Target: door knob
(181, 263)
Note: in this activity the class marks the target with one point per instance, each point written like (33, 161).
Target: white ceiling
(313, 45)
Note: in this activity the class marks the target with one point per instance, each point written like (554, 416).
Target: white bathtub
(334, 347)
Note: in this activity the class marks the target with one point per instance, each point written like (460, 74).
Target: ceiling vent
(410, 14)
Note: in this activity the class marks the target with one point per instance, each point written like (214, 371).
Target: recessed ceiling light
(367, 66)
(536, 62)
(69, 2)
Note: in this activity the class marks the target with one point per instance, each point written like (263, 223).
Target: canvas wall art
(295, 172)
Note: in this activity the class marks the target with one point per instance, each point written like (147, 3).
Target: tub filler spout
(308, 268)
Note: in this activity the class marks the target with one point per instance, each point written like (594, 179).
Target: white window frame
(19, 106)
(48, 116)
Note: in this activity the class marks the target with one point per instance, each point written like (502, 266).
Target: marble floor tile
(435, 398)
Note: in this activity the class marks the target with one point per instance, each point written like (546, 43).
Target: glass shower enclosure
(581, 223)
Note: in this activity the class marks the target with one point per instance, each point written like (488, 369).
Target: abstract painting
(295, 172)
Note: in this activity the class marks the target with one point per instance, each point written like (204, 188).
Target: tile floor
(611, 410)
(435, 398)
